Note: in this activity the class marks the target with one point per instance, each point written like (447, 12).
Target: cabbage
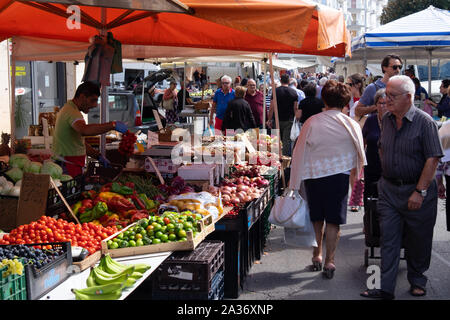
(19, 160)
(52, 169)
(33, 167)
(65, 177)
(15, 174)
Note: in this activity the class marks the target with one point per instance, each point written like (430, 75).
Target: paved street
(282, 273)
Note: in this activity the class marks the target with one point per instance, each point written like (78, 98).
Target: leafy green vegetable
(33, 167)
(15, 174)
(65, 177)
(19, 160)
(52, 169)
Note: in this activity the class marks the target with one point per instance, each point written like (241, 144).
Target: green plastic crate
(13, 287)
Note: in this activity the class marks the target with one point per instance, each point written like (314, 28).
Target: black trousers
(447, 204)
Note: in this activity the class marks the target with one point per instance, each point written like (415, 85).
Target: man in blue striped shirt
(410, 150)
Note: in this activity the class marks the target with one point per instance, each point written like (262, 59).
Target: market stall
(153, 207)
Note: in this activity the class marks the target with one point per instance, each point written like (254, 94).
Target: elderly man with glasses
(410, 150)
(391, 66)
(221, 98)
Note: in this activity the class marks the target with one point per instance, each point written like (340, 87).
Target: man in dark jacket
(238, 114)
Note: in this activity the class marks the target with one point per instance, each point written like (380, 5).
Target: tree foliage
(396, 9)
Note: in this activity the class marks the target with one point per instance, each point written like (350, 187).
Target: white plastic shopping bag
(289, 210)
(295, 130)
(301, 237)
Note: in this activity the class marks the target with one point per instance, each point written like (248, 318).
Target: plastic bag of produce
(301, 237)
(202, 202)
(19, 160)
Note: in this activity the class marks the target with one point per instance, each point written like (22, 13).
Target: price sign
(33, 197)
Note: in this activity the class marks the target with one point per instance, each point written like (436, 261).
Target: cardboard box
(163, 165)
(199, 172)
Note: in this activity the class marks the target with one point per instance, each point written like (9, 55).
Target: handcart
(372, 225)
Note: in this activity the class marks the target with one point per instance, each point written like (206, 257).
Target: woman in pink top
(170, 102)
(330, 145)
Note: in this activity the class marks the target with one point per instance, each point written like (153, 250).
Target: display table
(78, 280)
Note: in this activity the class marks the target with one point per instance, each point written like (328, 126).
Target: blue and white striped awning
(426, 28)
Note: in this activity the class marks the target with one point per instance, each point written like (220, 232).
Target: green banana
(128, 271)
(130, 282)
(102, 278)
(136, 275)
(90, 282)
(111, 267)
(101, 289)
(139, 267)
(108, 296)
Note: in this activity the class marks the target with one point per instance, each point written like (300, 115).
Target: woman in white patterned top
(330, 145)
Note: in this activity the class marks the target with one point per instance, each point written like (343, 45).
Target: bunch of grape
(14, 266)
(36, 257)
(126, 145)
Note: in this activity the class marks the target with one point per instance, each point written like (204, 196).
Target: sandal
(354, 209)
(415, 293)
(329, 272)
(316, 265)
(377, 294)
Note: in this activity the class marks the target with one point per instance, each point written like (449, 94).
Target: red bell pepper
(119, 205)
(106, 187)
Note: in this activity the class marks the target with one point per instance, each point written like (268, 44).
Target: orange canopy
(290, 26)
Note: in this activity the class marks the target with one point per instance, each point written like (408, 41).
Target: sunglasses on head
(399, 67)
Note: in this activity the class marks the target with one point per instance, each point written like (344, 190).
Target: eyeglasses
(399, 67)
(225, 82)
(350, 84)
(394, 96)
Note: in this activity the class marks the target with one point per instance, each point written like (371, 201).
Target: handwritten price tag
(33, 197)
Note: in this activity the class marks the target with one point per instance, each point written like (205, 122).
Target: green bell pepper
(100, 209)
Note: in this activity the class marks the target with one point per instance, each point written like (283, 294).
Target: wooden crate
(89, 261)
(190, 244)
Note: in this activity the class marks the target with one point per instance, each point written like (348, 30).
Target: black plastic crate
(233, 258)
(216, 292)
(43, 280)
(191, 270)
(71, 190)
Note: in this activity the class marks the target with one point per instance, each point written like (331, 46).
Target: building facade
(360, 15)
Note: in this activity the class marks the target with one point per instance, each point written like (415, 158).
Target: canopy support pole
(277, 121)
(12, 72)
(184, 86)
(264, 94)
(104, 93)
(430, 57)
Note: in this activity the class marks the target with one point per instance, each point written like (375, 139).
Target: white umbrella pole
(104, 94)
(430, 55)
(277, 122)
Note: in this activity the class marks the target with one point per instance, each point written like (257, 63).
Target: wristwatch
(423, 193)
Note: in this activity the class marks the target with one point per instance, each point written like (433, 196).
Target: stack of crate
(192, 275)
